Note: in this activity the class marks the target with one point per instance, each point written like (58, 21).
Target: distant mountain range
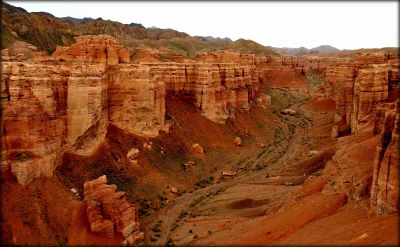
(304, 51)
(73, 20)
(211, 38)
(46, 32)
(84, 20)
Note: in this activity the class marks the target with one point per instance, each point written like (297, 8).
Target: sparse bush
(156, 229)
(314, 80)
(169, 243)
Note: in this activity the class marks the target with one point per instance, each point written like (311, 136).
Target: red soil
(323, 105)
(286, 78)
(38, 213)
(349, 226)
(312, 187)
(191, 127)
(268, 229)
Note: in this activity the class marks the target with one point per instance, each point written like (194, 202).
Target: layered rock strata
(65, 102)
(370, 88)
(101, 49)
(136, 103)
(109, 212)
(358, 85)
(385, 183)
(48, 109)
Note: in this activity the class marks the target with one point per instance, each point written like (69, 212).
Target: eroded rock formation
(385, 184)
(101, 49)
(370, 88)
(358, 85)
(48, 109)
(65, 102)
(110, 212)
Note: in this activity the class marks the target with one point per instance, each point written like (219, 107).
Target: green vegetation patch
(314, 80)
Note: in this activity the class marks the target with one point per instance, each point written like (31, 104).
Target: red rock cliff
(48, 109)
(385, 184)
(65, 102)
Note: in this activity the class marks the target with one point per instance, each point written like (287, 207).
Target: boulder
(148, 146)
(197, 149)
(174, 190)
(238, 141)
(312, 153)
(190, 164)
(133, 155)
(290, 112)
(229, 173)
(261, 145)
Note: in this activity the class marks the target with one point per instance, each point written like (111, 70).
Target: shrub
(314, 80)
(169, 243)
(156, 229)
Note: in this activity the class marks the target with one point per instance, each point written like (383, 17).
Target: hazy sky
(344, 25)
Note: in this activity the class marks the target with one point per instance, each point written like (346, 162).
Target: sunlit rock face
(136, 102)
(49, 109)
(370, 88)
(217, 89)
(385, 183)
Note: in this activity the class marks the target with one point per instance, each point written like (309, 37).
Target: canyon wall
(65, 102)
(48, 109)
(136, 102)
(365, 90)
(217, 89)
(357, 85)
(370, 88)
(385, 184)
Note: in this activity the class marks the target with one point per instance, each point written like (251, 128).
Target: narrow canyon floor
(280, 196)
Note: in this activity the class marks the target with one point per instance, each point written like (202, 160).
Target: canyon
(76, 93)
(108, 144)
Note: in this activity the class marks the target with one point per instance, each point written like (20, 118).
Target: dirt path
(172, 211)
